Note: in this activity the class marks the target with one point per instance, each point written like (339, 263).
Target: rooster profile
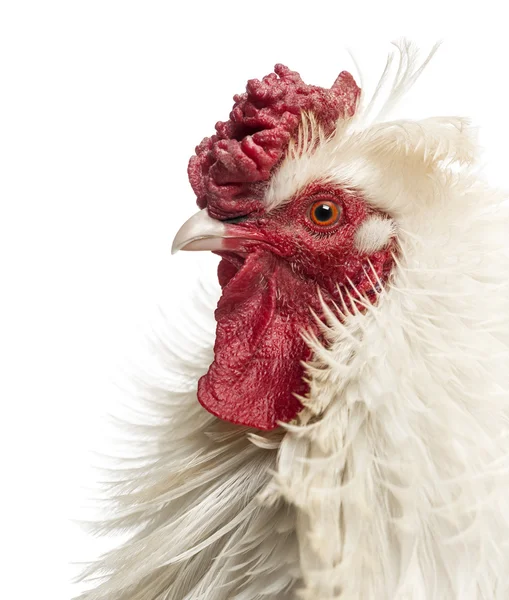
(343, 433)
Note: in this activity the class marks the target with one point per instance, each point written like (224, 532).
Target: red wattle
(258, 348)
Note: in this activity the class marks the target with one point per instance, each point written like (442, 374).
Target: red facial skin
(269, 287)
(271, 281)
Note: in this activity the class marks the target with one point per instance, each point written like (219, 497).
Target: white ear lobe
(374, 234)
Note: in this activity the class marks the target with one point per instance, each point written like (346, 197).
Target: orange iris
(324, 213)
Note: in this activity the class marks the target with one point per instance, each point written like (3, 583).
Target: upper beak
(202, 232)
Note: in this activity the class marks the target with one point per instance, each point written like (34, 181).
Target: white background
(101, 105)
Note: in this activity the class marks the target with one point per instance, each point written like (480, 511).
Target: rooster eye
(324, 213)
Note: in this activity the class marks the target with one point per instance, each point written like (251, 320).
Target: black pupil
(323, 213)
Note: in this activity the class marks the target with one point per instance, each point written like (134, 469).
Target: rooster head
(290, 234)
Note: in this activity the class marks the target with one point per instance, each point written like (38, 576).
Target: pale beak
(200, 232)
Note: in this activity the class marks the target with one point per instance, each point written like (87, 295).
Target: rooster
(343, 433)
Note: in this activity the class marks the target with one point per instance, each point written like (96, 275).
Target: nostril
(235, 219)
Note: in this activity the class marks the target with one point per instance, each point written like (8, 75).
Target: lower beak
(202, 232)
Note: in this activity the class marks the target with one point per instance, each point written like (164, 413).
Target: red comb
(230, 170)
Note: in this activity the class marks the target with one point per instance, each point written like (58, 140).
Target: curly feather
(392, 483)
